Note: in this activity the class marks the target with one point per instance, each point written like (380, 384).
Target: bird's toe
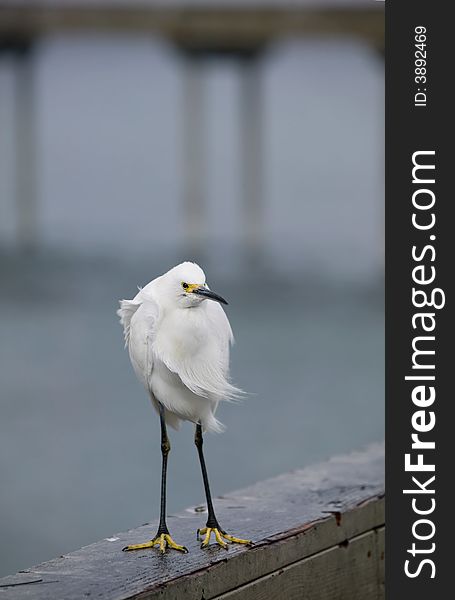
(206, 531)
(235, 540)
(171, 544)
(163, 541)
(149, 544)
(221, 537)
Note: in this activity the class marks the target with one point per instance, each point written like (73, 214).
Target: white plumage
(178, 340)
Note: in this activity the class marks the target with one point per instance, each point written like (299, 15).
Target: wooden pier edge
(318, 535)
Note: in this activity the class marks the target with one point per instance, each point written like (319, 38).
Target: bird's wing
(221, 328)
(206, 372)
(141, 335)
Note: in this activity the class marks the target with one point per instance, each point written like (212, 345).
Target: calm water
(79, 441)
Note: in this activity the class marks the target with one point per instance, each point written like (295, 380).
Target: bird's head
(188, 286)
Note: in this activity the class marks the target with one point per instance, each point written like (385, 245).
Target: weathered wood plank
(270, 555)
(291, 518)
(345, 571)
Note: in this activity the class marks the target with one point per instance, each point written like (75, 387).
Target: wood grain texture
(348, 571)
(313, 525)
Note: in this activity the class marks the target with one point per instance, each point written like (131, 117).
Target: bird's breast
(181, 335)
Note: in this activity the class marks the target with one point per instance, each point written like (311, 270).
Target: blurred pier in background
(239, 31)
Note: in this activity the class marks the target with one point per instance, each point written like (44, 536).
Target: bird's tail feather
(213, 425)
(126, 312)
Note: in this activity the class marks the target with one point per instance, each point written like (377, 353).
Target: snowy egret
(178, 344)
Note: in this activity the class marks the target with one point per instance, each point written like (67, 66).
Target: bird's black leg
(211, 520)
(165, 449)
(162, 537)
(212, 524)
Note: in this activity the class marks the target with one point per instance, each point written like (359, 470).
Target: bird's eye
(184, 286)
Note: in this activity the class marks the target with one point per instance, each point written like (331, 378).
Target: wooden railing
(318, 535)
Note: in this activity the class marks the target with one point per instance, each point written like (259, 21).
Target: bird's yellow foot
(222, 538)
(163, 541)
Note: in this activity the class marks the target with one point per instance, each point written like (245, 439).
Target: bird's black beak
(206, 293)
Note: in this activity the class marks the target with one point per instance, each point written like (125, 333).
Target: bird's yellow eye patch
(190, 287)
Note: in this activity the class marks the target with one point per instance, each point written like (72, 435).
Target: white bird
(178, 338)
